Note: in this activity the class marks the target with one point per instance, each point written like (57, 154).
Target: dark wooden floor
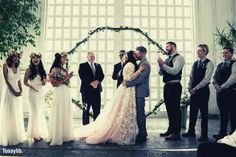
(155, 146)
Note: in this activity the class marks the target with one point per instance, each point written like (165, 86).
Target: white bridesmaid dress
(61, 117)
(37, 125)
(11, 113)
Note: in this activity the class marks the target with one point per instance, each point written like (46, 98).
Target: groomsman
(200, 77)
(225, 85)
(171, 70)
(91, 75)
(117, 72)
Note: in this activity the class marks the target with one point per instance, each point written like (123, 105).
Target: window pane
(179, 23)
(75, 22)
(162, 11)
(170, 23)
(59, 10)
(58, 22)
(178, 11)
(76, 10)
(170, 11)
(187, 12)
(67, 21)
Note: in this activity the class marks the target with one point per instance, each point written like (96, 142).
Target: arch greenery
(118, 29)
(185, 98)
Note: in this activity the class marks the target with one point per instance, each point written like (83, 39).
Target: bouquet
(58, 76)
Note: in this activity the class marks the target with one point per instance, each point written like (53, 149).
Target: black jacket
(117, 69)
(86, 76)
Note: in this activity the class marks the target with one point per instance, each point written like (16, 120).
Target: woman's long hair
(9, 61)
(131, 59)
(34, 71)
(57, 62)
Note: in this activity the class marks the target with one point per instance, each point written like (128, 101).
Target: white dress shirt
(92, 64)
(232, 79)
(178, 64)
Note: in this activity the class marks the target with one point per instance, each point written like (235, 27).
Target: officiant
(91, 75)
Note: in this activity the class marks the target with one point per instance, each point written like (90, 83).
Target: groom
(142, 90)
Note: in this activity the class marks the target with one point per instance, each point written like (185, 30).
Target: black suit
(115, 76)
(90, 96)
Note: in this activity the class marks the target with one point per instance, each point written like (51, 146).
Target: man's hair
(123, 51)
(204, 47)
(90, 52)
(142, 49)
(229, 48)
(172, 43)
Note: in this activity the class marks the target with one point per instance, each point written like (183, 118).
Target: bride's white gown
(117, 122)
(11, 113)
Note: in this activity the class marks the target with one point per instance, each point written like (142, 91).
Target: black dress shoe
(167, 133)
(189, 134)
(202, 139)
(141, 139)
(219, 136)
(173, 136)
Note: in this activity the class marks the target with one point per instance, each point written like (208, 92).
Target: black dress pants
(89, 99)
(199, 101)
(172, 96)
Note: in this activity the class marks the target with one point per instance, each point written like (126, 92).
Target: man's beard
(139, 58)
(168, 52)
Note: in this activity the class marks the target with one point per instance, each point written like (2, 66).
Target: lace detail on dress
(128, 124)
(128, 71)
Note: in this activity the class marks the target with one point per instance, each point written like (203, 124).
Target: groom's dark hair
(142, 49)
(172, 43)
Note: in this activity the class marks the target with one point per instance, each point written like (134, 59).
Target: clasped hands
(17, 94)
(218, 88)
(94, 84)
(192, 91)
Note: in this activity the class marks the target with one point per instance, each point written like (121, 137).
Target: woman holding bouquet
(61, 119)
(35, 79)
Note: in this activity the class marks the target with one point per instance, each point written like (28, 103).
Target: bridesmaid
(11, 113)
(61, 120)
(35, 79)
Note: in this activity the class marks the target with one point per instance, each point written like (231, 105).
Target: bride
(117, 123)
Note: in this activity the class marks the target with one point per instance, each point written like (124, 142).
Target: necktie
(93, 69)
(224, 65)
(200, 64)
